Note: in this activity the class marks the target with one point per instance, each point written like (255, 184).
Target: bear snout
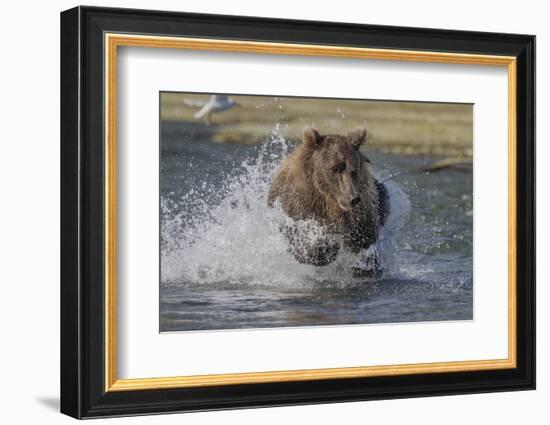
(348, 203)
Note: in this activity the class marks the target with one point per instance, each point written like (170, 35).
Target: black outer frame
(82, 218)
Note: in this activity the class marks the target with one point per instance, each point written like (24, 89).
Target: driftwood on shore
(448, 162)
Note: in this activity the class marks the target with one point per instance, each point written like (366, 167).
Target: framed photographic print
(261, 212)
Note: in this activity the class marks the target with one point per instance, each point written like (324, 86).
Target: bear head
(338, 167)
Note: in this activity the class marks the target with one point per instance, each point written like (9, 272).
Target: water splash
(229, 236)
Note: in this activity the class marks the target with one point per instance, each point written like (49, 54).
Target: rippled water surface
(225, 265)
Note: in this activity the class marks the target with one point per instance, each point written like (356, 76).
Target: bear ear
(311, 137)
(357, 137)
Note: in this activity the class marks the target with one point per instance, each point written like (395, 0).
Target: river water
(225, 265)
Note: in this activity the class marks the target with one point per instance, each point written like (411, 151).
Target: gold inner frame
(113, 41)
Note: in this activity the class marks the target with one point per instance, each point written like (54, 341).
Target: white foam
(400, 208)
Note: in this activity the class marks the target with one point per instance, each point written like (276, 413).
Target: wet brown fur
(317, 182)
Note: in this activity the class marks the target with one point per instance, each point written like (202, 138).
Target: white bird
(216, 103)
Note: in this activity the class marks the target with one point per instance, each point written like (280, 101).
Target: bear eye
(353, 174)
(339, 168)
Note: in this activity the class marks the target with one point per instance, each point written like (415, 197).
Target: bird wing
(203, 111)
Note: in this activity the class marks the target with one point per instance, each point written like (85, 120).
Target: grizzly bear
(327, 181)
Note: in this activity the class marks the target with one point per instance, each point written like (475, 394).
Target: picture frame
(90, 40)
